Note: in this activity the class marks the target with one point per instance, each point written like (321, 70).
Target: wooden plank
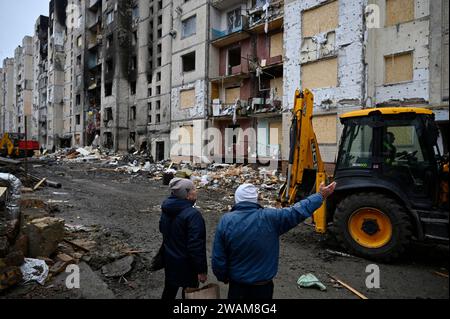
(353, 290)
(441, 274)
(39, 184)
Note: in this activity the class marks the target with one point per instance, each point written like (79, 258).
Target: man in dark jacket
(184, 238)
(246, 247)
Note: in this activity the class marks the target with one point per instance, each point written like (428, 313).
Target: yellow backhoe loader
(392, 182)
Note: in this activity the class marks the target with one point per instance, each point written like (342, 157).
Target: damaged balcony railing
(236, 24)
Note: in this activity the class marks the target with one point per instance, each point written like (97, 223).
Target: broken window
(135, 12)
(234, 20)
(159, 33)
(133, 63)
(108, 89)
(150, 120)
(158, 105)
(398, 68)
(159, 19)
(150, 107)
(188, 62)
(158, 118)
(109, 17)
(108, 114)
(79, 60)
(133, 113)
(189, 26)
(158, 76)
(134, 38)
(132, 137)
(108, 138)
(234, 59)
(78, 99)
(109, 66)
(78, 119)
(133, 88)
(158, 90)
(109, 41)
(150, 93)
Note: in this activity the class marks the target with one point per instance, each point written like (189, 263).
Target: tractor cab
(397, 148)
(392, 181)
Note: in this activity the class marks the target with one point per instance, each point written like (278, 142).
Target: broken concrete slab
(91, 285)
(118, 268)
(44, 235)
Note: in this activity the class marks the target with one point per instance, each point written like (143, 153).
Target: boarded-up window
(232, 94)
(320, 74)
(214, 91)
(277, 84)
(321, 19)
(186, 134)
(399, 11)
(398, 68)
(325, 128)
(187, 99)
(276, 45)
(275, 133)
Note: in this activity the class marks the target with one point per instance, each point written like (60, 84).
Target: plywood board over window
(325, 128)
(399, 11)
(398, 68)
(320, 19)
(187, 98)
(277, 84)
(276, 133)
(320, 74)
(276, 44)
(232, 94)
(186, 134)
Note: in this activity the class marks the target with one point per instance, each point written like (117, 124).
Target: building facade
(215, 79)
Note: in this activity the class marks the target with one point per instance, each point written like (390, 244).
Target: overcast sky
(17, 19)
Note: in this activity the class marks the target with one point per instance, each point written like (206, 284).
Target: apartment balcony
(261, 107)
(94, 42)
(262, 20)
(225, 4)
(235, 33)
(235, 73)
(229, 111)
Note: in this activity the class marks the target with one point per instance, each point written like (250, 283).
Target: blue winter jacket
(184, 237)
(246, 247)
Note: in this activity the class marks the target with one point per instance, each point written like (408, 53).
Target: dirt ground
(125, 212)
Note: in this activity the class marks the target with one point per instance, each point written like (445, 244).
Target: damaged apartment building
(8, 105)
(155, 75)
(246, 77)
(359, 53)
(23, 77)
(40, 81)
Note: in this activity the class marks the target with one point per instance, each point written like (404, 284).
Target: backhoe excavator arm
(304, 154)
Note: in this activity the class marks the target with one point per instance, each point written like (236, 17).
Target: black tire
(400, 223)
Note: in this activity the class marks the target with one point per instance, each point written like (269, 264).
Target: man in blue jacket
(246, 247)
(184, 239)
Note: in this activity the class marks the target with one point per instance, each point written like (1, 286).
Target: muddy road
(125, 211)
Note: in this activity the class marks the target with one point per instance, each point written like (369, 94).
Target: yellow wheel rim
(370, 227)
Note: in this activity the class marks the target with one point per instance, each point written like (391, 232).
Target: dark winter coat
(184, 237)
